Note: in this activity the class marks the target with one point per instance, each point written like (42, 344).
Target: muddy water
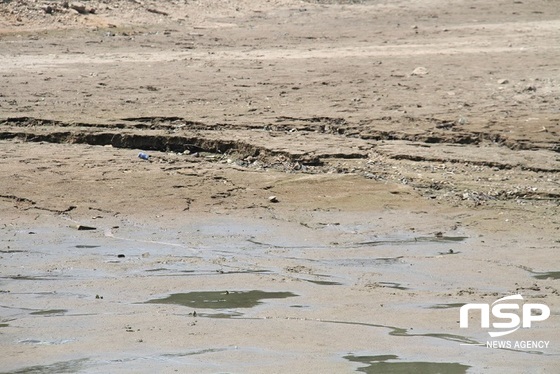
(72, 366)
(447, 306)
(416, 239)
(48, 312)
(310, 281)
(547, 275)
(228, 304)
(390, 364)
(221, 300)
(324, 283)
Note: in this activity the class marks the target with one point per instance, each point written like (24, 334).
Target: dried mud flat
(412, 148)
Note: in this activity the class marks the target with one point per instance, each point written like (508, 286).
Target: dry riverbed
(326, 184)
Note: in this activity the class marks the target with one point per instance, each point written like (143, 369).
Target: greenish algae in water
(381, 364)
(547, 275)
(221, 299)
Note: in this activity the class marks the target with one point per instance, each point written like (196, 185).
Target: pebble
(82, 227)
(81, 8)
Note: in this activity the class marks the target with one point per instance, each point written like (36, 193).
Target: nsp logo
(504, 310)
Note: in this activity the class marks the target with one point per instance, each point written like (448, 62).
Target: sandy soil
(412, 148)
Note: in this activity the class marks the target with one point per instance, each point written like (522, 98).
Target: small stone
(81, 8)
(82, 227)
(503, 81)
(273, 199)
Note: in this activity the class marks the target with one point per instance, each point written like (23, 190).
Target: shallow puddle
(28, 277)
(390, 364)
(221, 299)
(157, 269)
(446, 306)
(227, 314)
(243, 271)
(324, 283)
(49, 312)
(72, 366)
(417, 239)
(547, 275)
(399, 331)
(172, 272)
(351, 262)
(45, 342)
(199, 352)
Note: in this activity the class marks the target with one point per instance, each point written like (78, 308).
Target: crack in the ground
(492, 164)
(34, 205)
(311, 153)
(443, 132)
